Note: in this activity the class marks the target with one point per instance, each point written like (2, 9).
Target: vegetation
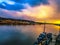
(9, 21)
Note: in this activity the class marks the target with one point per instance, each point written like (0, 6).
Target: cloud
(10, 5)
(18, 4)
(38, 2)
(41, 12)
(32, 2)
(58, 5)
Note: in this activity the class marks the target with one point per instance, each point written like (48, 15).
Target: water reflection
(23, 34)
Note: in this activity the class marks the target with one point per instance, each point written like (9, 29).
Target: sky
(36, 10)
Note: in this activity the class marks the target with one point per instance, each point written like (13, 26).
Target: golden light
(57, 27)
(58, 22)
(43, 11)
(55, 21)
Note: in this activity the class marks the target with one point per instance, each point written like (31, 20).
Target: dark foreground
(48, 39)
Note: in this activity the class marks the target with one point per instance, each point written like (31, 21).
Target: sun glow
(55, 21)
(41, 12)
(58, 22)
(45, 12)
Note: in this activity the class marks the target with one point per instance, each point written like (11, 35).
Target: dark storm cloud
(32, 2)
(38, 2)
(18, 4)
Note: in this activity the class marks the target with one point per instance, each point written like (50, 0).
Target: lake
(23, 34)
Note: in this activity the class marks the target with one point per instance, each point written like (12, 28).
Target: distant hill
(10, 21)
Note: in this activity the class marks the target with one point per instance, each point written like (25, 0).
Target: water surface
(26, 34)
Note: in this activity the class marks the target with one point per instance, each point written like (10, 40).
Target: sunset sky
(36, 10)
